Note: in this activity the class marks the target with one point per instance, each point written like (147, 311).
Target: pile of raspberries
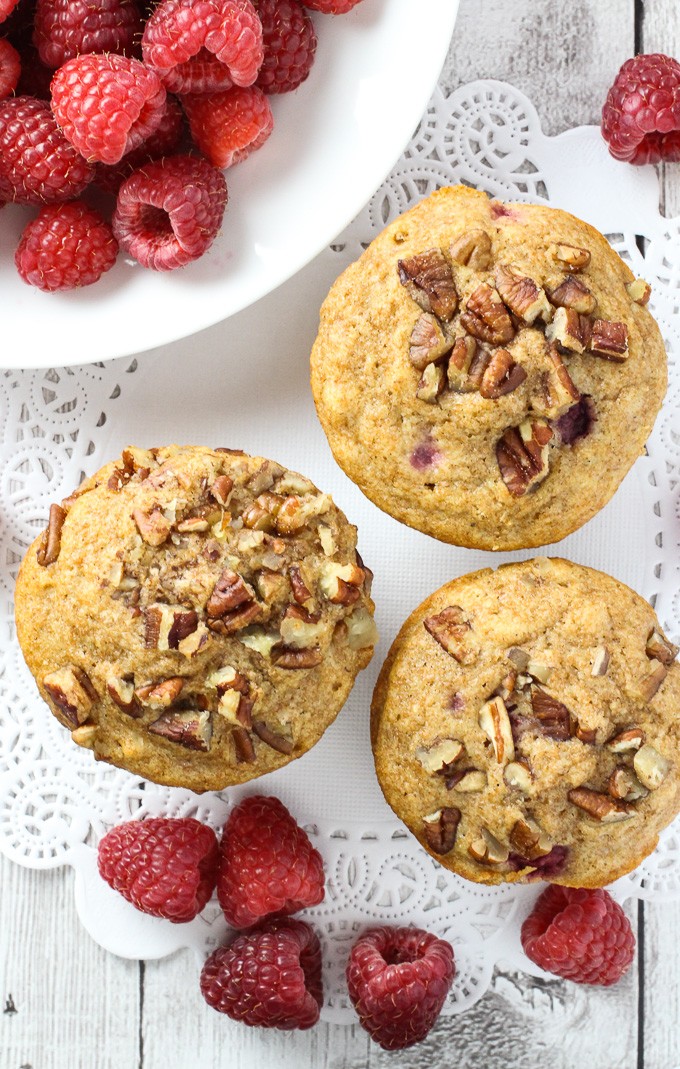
(269, 973)
(148, 102)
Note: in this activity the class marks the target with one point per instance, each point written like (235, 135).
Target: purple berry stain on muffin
(577, 422)
(499, 210)
(425, 455)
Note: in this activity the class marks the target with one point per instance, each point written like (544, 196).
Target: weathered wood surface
(69, 1005)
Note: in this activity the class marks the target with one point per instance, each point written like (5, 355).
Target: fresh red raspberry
(165, 867)
(67, 245)
(289, 45)
(107, 105)
(270, 976)
(641, 115)
(268, 866)
(580, 935)
(10, 68)
(398, 979)
(203, 46)
(64, 29)
(227, 127)
(331, 7)
(162, 142)
(169, 212)
(37, 163)
(6, 8)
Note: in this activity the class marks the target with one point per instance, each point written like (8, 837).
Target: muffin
(525, 726)
(196, 616)
(487, 373)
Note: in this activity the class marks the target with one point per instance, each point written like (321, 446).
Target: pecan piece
(524, 297)
(50, 542)
(273, 739)
(300, 630)
(153, 526)
(122, 692)
(660, 649)
(243, 746)
(472, 249)
(573, 293)
(295, 512)
(625, 741)
(517, 775)
(286, 657)
(570, 330)
(554, 719)
(429, 281)
(229, 592)
(478, 366)
(624, 785)
(460, 360)
(190, 728)
(71, 690)
(340, 583)
(602, 807)
(609, 340)
(301, 591)
(570, 257)
(361, 629)
(600, 662)
(651, 768)
(439, 755)
(488, 850)
(529, 839)
(166, 626)
(452, 629)
(495, 723)
(441, 828)
(522, 455)
(639, 291)
(560, 391)
(160, 694)
(428, 341)
(502, 375)
(649, 684)
(237, 619)
(431, 384)
(221, 489)
(486, 317)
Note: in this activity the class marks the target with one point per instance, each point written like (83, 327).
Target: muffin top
(196, 616)
(487, 373)
(525, 725)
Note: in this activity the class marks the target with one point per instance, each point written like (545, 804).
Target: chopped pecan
(301, 591)
(160, 694)
(296, 511)
(153, 526)
(486, 317)
(539, 671)
(627, 740)
(517, 775)
(468, 781)
(299, 629)
(561, 393)
(460, 360)
(243, 746)
(191, 728)
(261, 514)
(272, 738)
(519, 657)
(71, 690)
(573, 293)
(50, 542)
(85, 736)
(624, 785)
(237, 619)
(601, 807)
(529, 839)
(221, 489)
(651, 768)
(184, 624)
(166, 626)
(570, 330)
(478, 366)
(524, 297)
(502, 375)
(235, 707)
(122, 692)
(506, 687)
(577, 422)
(439, 754)
(229, 592)
(488, 850)
(361, 629)
(441, 828)
(287, 657)
(340, 583)
(522, 455)
(431, 384)
(193, 525)
(453, 631)
(429, 281)
(472, 249)
(660, 649)
(495, 723)
(649, 684)
(554, 719)
(570, 257)
(428, 341)
(609, 340)
(195, 642)
(588, 736)
(600, 664)
(272, 586)
(639, 291)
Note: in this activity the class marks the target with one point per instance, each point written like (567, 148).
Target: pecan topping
(518, 776)
(601, 807)
(522, 455)
(467, 781)
(649, 684)
(221, 489)
(571, 330)
(452, 630)
(588, 736)
(340, 583)
(71, 690)
(624, 741)
(295, 512)
(573, 293)
(152, 525)
(502, 375)
(439, 755)
(85, 736)
(609, 340)
(122, 692)
(478, 366)
(570, 257)
(288, 657)
(361, 629)
(600, 662)
(301, 591)
(625, 786)
(460, 360)
(472, 249)
(524, 297)
(428, 341)
(165, 626)
(495, 723)
(487, 850)
(429, 281)
(243, 746)
(639, 291)
(519, 657)
(529, 839)
(161, 694)
(272, 738)
(272, 586)
(50, 542)
(554, 719)
(195, 642)
(190, 728)
(441, 828)
(229, 592)
(261, 513)
(193, 525)
(651, 768)
(237, 619)
(559, 386)
(660, 649)
(299, 629)
(486, 317)
(431, 384)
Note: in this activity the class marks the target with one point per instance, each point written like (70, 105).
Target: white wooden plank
(661, 1033)
(661, 33)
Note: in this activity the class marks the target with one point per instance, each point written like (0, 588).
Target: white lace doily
(245, 383)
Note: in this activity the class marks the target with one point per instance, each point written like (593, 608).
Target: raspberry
(64, 29)
(10, 68)
(6, 8)
(267, 864)
(227, 127)
(331, 7)
(162, 142)
(398, 979)
(107, 105)
(580, 935)
(289, 45)
(67, 245)
(270, 976)
(169, 212)
(37, 164)
(203, 46)
(164, 867)
(641, 115)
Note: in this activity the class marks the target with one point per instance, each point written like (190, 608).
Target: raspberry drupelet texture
(268, 865)
(163, 142)
(641, 115)
(270, 976)
(64, 29)
(169, 212)
(398, 979)
(10, 68)
(203, 46)
(37, 164)
(227, 127)
(163, 866)
(64, 247)
(107, 105)
(580, 935)
(331, 7)
(289, 43)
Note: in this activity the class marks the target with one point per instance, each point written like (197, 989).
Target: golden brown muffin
(196, 616)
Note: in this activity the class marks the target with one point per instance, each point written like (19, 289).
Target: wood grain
(660, 32)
